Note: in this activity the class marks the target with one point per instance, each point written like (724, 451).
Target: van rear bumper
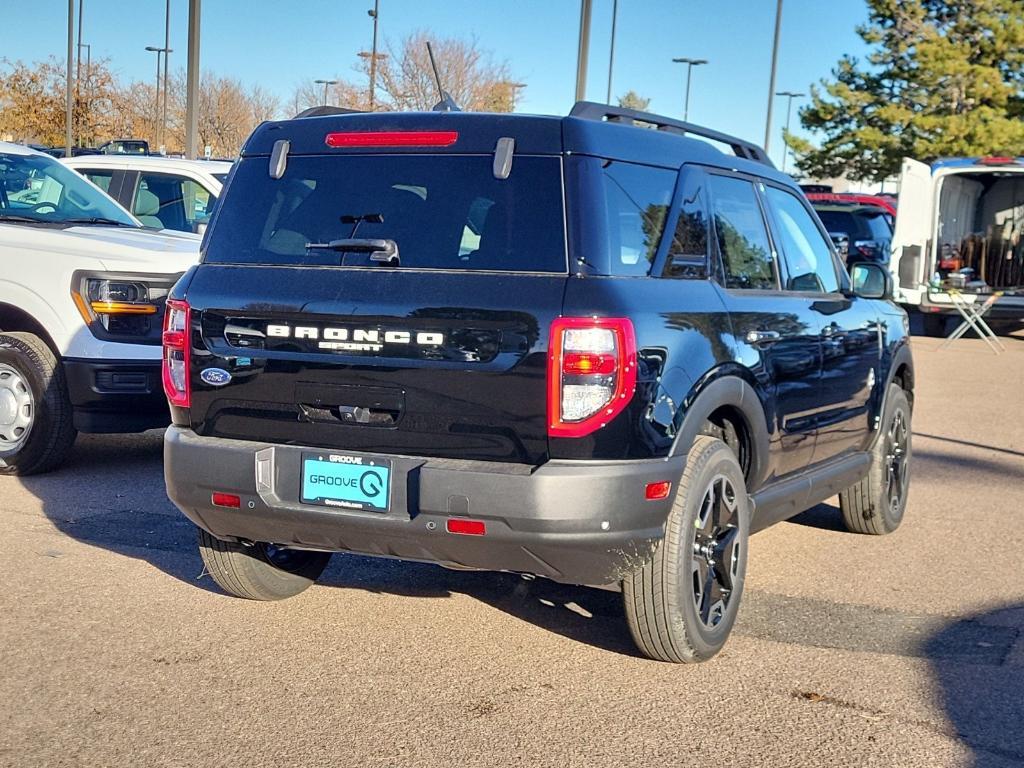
(576, 522)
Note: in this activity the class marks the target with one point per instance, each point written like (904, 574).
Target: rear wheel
(681, 605)
(876, 504)
(36, 427)
(260, 571)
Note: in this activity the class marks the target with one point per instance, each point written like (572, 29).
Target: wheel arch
(726, 396)
(16, 319)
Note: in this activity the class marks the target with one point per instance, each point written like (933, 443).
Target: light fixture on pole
(325, 83)
(790, 95)
(690, 64)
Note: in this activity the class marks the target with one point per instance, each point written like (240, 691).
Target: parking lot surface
(905, 650)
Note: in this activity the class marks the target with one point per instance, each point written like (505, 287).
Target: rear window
(441, 211)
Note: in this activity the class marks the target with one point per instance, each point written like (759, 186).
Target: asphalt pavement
(906, 650)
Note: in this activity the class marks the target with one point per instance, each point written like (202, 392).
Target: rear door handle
(762, 337)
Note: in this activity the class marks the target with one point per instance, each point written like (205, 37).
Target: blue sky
(277, 44)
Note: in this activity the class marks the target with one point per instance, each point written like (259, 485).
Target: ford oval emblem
(215, 377)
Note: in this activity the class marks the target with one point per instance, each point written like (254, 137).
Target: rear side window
(637, 199)
(687, 256)
(741, 234)
(808, 257)
(440, 211)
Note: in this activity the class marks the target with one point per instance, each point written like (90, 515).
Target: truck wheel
(260, 571)
(36, 426)
(876, 504)
(681, 605)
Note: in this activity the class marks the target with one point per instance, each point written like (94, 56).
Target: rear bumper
(116, 395)
(582, 522)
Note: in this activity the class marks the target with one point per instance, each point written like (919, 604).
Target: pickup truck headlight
(122, 307)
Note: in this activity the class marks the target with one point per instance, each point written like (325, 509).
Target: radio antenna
(447, 103)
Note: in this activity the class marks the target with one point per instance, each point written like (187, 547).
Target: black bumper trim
(584, 523)
(110, 396)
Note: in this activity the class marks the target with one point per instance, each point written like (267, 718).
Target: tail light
(866, 248)
(591, 373)
(177, 353)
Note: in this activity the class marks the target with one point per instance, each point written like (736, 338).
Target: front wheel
(876, 504)
(260, 571)
(681, 605)
(36, 424)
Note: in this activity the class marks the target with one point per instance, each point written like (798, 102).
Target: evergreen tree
(944, 78)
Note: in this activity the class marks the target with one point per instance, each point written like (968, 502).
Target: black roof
(590, 129)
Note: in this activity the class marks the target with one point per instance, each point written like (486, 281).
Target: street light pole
(167, 56)
(690, 64)
(771, 80)
(375, 15)
(156, 113)
(325, 83)
(583, 52)
(611, 51)
(790, 95)
(192, 81)
(78, 74)
(68, 96)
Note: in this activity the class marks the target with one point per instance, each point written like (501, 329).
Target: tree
(633, 100)
(476, 83)
(944, 78)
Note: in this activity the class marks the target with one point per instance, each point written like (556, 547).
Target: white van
(957, 214)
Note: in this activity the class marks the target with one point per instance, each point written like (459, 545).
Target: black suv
(590, 348)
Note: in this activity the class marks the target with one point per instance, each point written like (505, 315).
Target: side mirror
(871, 281)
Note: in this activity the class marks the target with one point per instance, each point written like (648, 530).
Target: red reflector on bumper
(226, 500)
(655, 491)
(466, 527)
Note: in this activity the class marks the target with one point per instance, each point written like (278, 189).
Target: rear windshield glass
(440, 212)
(860, 225)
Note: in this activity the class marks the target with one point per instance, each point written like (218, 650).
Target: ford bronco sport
(594, 348)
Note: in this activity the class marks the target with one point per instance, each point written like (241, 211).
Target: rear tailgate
(426, 364)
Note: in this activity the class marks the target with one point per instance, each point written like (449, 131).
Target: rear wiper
(384, 251)
(96, 220)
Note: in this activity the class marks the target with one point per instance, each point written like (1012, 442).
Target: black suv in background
(590, 347)
(859, 232)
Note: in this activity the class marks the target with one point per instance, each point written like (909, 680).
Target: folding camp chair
(974, 318)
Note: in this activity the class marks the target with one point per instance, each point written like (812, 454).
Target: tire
(36, 423)
(876, 504)
(934, 325)
(260, 571)
(669, 618)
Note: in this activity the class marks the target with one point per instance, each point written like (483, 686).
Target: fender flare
(731, 390)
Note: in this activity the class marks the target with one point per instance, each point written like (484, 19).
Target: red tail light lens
(230, 500)
(591, 373)
(466, 527)
(392, 139)
(177, 353)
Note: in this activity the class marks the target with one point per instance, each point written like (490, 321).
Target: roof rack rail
(589, 110)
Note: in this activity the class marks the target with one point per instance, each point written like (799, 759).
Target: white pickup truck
(82, 289)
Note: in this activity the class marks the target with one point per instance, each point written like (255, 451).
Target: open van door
(909, 262)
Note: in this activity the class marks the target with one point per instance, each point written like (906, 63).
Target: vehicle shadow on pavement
(582, 614)
(978, 663)
(88, 500)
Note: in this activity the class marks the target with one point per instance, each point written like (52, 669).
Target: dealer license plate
(346, 481)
